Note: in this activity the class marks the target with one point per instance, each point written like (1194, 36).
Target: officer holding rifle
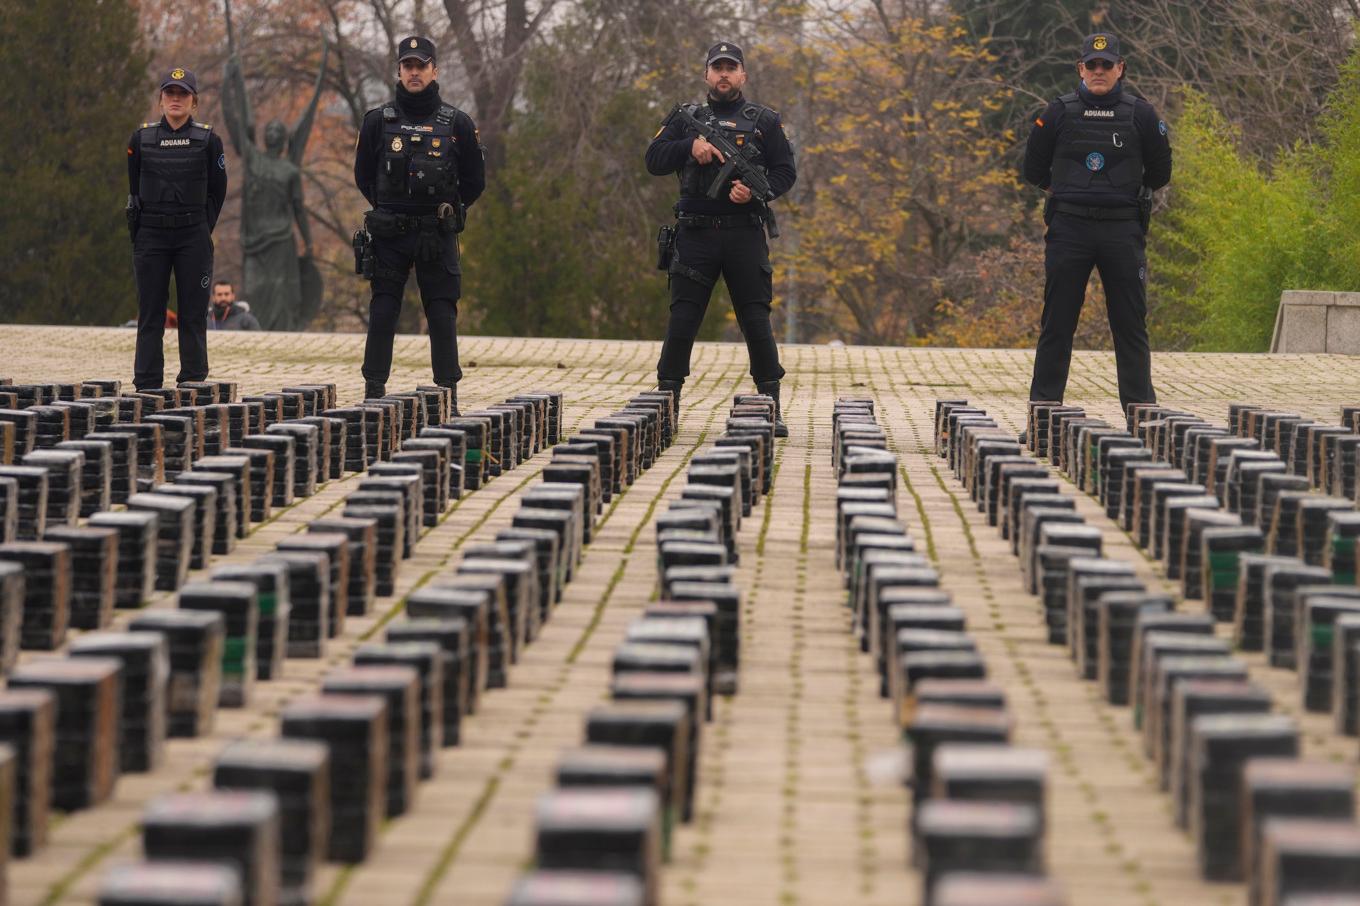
(732, 158)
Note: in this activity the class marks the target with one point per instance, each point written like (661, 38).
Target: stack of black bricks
(978, 814)
(620, 795)
(1245, 529)
(121, 694)
(234, 629)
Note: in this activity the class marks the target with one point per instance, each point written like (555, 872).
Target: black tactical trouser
(156, 253)
(742, 257)
(1073, 245)
(440, 282)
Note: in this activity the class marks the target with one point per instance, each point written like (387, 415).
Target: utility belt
(719, 221)
(1089, 212)
(430, 230)
(666, 258)
(171, 221)
(390, 224)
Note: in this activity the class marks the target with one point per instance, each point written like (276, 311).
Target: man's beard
(719, 94)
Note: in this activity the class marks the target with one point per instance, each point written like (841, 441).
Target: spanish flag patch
(1039, 122)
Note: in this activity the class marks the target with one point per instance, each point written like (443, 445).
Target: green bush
(1237, 234)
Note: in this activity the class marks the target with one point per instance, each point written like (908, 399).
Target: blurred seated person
(227, 313)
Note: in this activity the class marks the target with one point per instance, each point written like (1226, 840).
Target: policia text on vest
(1099, 152)
(419, 163)
(177, 180)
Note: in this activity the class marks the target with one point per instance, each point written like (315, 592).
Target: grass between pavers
(788, 852)
(715, 773)
(449, 853)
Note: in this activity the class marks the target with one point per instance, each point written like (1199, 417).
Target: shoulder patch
(1161, 126)
(207, 126)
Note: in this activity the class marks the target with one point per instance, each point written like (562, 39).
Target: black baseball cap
(725, 50)
(417, 47)
(1100, 46)
(181, 77)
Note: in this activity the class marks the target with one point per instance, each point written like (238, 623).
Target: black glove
(428, 246)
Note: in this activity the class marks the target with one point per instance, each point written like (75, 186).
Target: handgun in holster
(665, 247)
(363, 253)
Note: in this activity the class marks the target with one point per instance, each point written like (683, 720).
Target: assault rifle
(734, 159)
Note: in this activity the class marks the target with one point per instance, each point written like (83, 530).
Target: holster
(134, 211)
(665, 247)
(771, 224)
(452, 217)
(1145, 208)
(363, 253)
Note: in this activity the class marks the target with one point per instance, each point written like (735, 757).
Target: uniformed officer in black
(419, 162)
(724, 235)
(177, 180)
(1099, 152)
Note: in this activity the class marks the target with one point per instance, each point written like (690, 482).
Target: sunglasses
(1098, 65)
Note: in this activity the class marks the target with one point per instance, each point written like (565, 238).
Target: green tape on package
(1322, 637)
(234, 654)
(474, 456)
(1223, 569)
(268, 603)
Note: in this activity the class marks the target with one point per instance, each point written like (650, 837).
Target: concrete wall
(1315, 321)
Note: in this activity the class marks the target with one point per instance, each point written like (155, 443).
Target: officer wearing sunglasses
(1098, 152)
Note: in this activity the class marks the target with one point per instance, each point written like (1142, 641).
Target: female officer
(177, 179)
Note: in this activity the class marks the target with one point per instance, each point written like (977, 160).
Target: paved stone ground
(796, 801)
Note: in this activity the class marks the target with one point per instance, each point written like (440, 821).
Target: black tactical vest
(1098, 150)
(418, 163)
(740, 127)
(174, 169)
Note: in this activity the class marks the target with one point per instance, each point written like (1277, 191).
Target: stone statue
(284, 290)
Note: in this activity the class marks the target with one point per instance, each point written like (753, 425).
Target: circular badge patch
(1095, 161)
(221, 161)
(1161, 126)
(396, 143)
(1100, 43)
(204, 282)
(177, 74)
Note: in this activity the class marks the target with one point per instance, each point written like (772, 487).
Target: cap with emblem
(725, 50)
(181, 77)
(415, 47)
(1100, 46)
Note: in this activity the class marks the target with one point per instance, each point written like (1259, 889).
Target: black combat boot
(771, 389)
(374, 390)
(453, 397)
(674, 388)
